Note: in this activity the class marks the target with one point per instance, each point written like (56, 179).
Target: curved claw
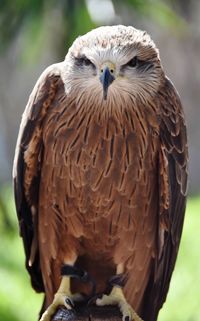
(68, 303)
(116, 297)
(59, 299)
(118, 280)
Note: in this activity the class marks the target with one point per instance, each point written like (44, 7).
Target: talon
(62, 297)
(118, 280)
(116, 297)
(69, 304)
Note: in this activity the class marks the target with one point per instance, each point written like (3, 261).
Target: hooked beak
(106, 79)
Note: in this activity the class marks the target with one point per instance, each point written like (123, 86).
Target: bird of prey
(100, 175)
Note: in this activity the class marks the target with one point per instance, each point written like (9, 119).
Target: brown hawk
(100, 175)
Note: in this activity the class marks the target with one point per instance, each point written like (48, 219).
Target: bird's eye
(133, 62)
(86, 61)
(83, 61)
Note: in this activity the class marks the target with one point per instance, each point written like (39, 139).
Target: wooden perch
(89, 313)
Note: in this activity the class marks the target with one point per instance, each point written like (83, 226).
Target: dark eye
(83, 60)
(86, 62)
(133, 62)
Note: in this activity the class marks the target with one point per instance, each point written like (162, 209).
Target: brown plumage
(103, 181)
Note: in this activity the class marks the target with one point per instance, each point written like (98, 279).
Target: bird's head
(113, 64)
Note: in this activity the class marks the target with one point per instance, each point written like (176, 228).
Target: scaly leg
(62, 297)
(116, 297)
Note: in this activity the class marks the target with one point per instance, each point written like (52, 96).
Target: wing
(173, 170)
(26, 168)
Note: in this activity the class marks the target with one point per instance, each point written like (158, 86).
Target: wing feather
(26, 167)
(173, 172)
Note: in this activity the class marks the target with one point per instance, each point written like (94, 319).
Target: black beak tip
(106, 79)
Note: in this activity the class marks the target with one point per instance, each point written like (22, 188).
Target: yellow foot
(61, 299)
(116, 297)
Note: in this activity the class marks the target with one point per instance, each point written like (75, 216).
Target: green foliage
(17, 299)
(7, 221)
(18, 302)
(160, 12)
(13, 14)
(31, 17)
(183, 298)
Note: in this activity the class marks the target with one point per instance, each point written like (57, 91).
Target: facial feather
(117, 45)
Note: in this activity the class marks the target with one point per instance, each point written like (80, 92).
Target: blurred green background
(36, 33)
